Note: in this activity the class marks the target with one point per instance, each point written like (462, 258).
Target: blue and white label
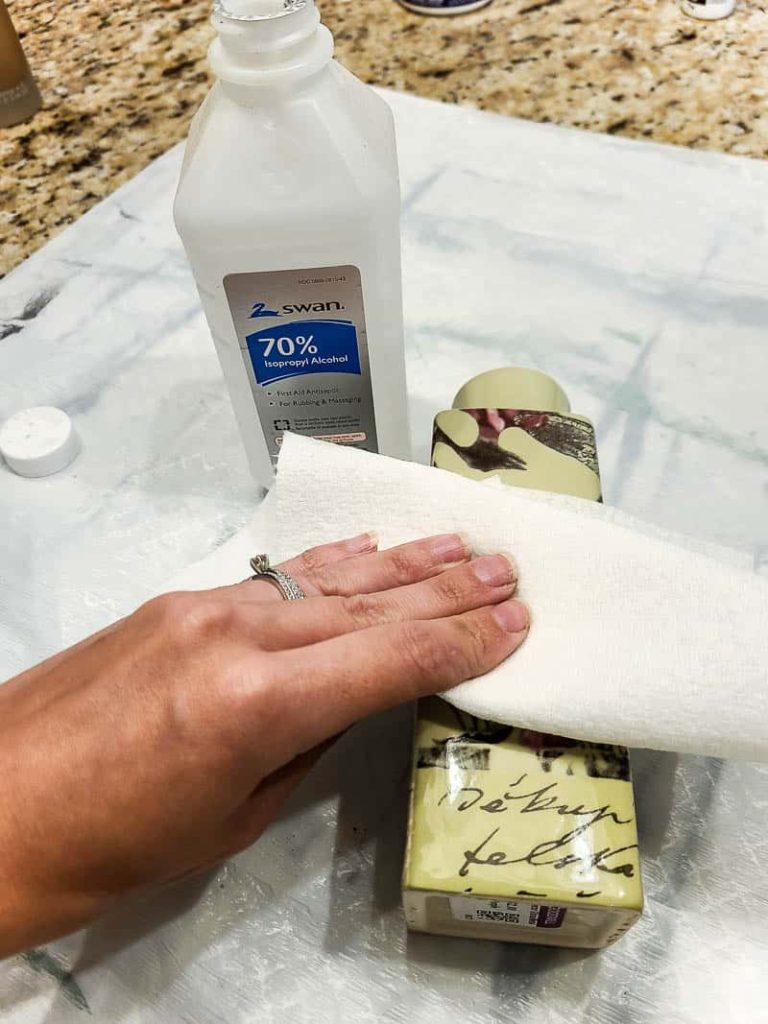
(304, 344)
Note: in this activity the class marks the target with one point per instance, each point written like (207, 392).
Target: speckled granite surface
(121, 82)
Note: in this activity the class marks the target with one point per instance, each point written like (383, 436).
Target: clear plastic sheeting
(635, 275)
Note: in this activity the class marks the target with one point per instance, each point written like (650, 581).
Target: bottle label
(517, 913)
(303, 339)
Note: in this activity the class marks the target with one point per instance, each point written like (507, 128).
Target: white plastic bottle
(289, 210)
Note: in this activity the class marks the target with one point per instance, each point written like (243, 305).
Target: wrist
(32, 910)
(31, 918)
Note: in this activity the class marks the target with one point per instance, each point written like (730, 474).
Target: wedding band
(286, 584)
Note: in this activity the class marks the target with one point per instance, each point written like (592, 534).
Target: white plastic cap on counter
(38, 442)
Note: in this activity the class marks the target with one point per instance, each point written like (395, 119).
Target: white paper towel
(636, 639)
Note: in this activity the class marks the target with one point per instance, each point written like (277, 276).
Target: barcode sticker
(512, 912)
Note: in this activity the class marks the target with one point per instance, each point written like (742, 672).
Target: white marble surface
(633, 273)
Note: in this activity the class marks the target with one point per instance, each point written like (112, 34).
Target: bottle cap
(513, 388)
(39, 441)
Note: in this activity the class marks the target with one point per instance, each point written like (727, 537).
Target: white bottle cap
(39, 441)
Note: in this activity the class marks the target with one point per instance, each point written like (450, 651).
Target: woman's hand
(167, 742)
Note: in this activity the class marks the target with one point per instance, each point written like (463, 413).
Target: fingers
(481, 582)
(371, 571)
(396, 567)
(310, 562)
(306, 565)
(320, 690)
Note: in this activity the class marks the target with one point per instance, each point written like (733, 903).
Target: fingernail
(513, 616)
(364, 542)
(495, 570)
(451, 547)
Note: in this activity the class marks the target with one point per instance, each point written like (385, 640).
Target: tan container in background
(513, 834)
(19, 95)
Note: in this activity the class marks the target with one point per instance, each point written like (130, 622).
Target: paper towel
(637, 638)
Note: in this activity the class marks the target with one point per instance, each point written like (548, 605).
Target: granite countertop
(120, 85)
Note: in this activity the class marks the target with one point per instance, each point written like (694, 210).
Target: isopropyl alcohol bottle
(289, 210)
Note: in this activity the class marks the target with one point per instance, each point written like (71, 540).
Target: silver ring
(286, 584)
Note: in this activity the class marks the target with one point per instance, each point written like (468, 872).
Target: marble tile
(635, 274)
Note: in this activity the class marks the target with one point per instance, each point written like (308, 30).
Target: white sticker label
(512, 912)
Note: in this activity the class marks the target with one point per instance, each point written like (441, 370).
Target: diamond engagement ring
(287, 585)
